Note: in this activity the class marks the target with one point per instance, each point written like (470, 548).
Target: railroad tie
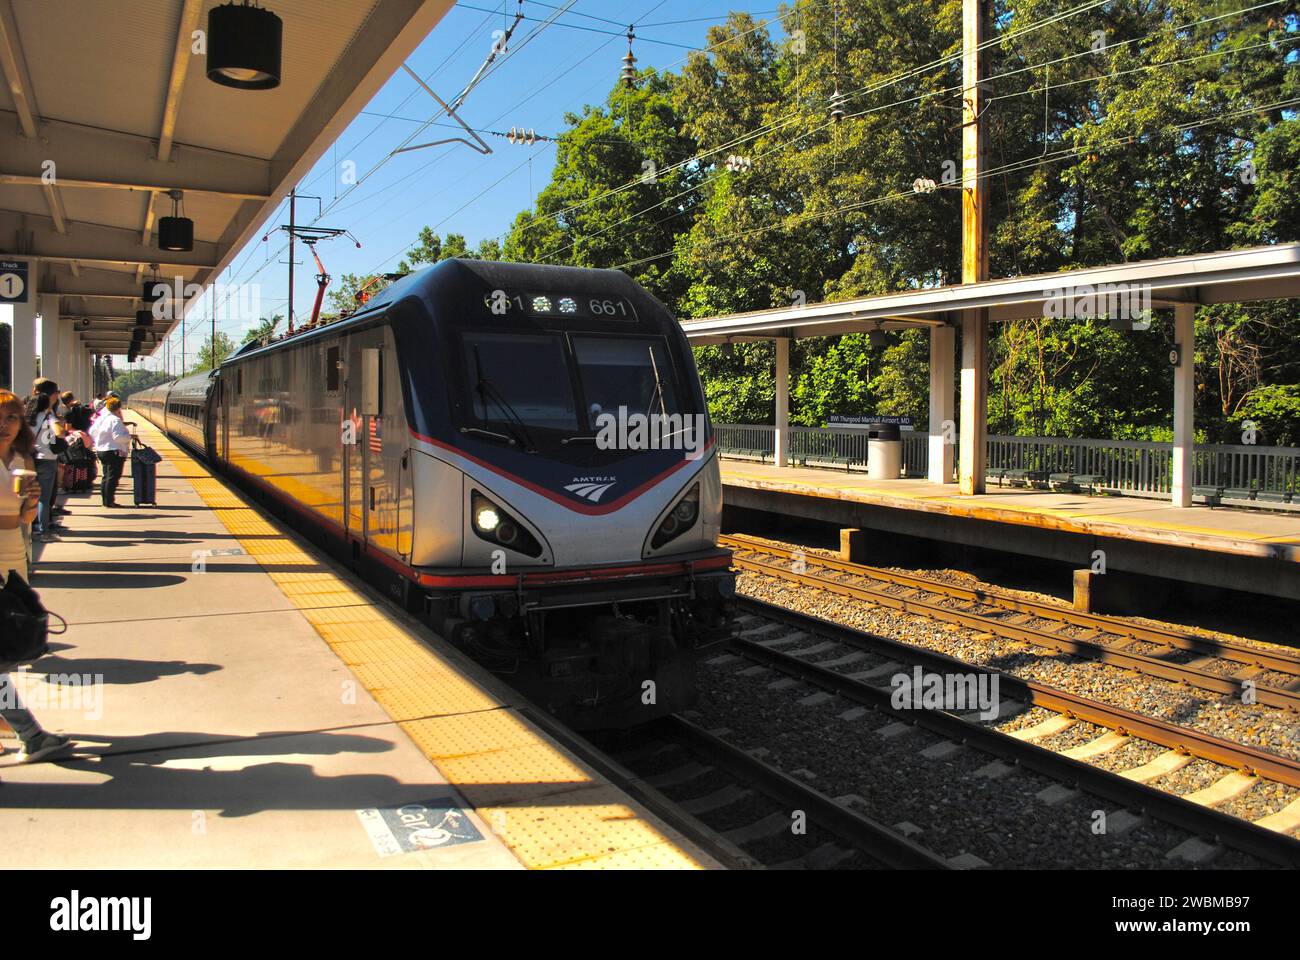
(1049, 727)
(1221, 791)
(1167, 762)
(1285, 820)
(893, 666)
(1095, 748)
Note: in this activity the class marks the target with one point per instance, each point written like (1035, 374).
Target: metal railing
(1129, 466)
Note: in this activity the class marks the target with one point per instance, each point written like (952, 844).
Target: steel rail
(867, 835)
(1224, 649)
(1178, 673)
(1244, 835)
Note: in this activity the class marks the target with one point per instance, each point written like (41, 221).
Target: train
(519, 454)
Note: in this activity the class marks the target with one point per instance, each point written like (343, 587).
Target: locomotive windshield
(528, 385)
(635, 374)
(519, 378)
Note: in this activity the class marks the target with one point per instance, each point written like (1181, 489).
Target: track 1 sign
(13, 281)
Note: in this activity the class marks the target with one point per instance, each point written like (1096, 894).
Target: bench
(1020, 478)
(1213, 495)
(1274, 496)
(817, 460)
(744, 453)
(1073, 482)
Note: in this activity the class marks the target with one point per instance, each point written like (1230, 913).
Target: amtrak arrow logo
(588, 491)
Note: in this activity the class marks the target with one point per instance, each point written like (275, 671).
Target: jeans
(113, 463)
(14, 713)
(47, 473)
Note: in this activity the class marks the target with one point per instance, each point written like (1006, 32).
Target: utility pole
(973, 429)
(292, 196)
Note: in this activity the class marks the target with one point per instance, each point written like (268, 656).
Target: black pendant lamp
(151, 293)
(244, 44)
(175, 232)
(143, 319)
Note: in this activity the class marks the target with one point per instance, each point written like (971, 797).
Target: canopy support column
(1184, 403)
(782, 401)
(943, 342)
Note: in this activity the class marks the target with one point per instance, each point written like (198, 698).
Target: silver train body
(470, 440)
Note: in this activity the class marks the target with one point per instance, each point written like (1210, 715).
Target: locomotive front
(567, 493)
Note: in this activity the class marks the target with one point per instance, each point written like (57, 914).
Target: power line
(1012, 167)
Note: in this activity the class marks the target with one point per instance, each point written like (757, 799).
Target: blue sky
(452, 188)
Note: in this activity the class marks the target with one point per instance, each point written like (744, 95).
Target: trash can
(884, 452)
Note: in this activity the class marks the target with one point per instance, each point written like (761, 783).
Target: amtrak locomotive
(521, 454)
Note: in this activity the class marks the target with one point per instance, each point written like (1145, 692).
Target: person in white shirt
(112, 444)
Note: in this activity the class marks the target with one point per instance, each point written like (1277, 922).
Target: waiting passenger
(44, 426)
(112, 445)
(19, 499)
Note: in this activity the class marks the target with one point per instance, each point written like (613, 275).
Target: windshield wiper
(486, 389)
(659, 387)
(489, 433)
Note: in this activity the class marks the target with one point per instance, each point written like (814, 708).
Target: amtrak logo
(590, 488)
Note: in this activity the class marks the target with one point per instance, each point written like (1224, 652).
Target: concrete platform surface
(237, 701)
(1229, 530)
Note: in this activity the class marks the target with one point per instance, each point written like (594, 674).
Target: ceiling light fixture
(244, 44)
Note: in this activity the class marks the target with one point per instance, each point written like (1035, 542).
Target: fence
(1130, 466)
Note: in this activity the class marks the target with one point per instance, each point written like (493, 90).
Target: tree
(133, 381)
(264, 330)
(204, 361)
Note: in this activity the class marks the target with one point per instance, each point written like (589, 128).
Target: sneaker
(45, 745)
(45, 538)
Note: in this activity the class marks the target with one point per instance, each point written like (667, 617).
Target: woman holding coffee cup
(19, 490)
(19, 495)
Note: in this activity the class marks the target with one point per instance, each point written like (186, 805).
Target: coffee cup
(19, 475)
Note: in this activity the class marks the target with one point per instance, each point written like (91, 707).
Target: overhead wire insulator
(837, 105)
(628, 76)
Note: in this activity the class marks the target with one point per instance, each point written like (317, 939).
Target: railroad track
(1221, 665)
(1266, 838)
(749, 809)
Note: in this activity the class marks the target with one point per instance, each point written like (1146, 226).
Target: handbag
(24, 623)
(56, 443)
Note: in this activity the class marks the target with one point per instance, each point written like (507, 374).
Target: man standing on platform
(112, 444)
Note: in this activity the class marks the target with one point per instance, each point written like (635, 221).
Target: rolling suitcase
(144, 473)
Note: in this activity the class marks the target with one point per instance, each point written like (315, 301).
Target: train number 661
(608, 307)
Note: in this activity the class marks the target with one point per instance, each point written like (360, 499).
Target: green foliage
(205, 359)
(1162, 139)
(266, 327)
(1275, 411)
(133, 381)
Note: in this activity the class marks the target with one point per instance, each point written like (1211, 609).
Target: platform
(1252, 550)
(247, 704)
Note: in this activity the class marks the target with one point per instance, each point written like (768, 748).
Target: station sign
(14, 283)
(866, 420)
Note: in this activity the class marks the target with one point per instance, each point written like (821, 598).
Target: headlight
(486, 519)
(680, 518)
(494, 525)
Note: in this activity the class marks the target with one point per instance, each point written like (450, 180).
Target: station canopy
(1229, 276)
(105, 111)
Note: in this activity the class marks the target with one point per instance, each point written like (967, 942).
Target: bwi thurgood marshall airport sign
(866, 420)
(13, 281)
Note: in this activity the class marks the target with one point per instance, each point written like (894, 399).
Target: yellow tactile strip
(548, 810)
